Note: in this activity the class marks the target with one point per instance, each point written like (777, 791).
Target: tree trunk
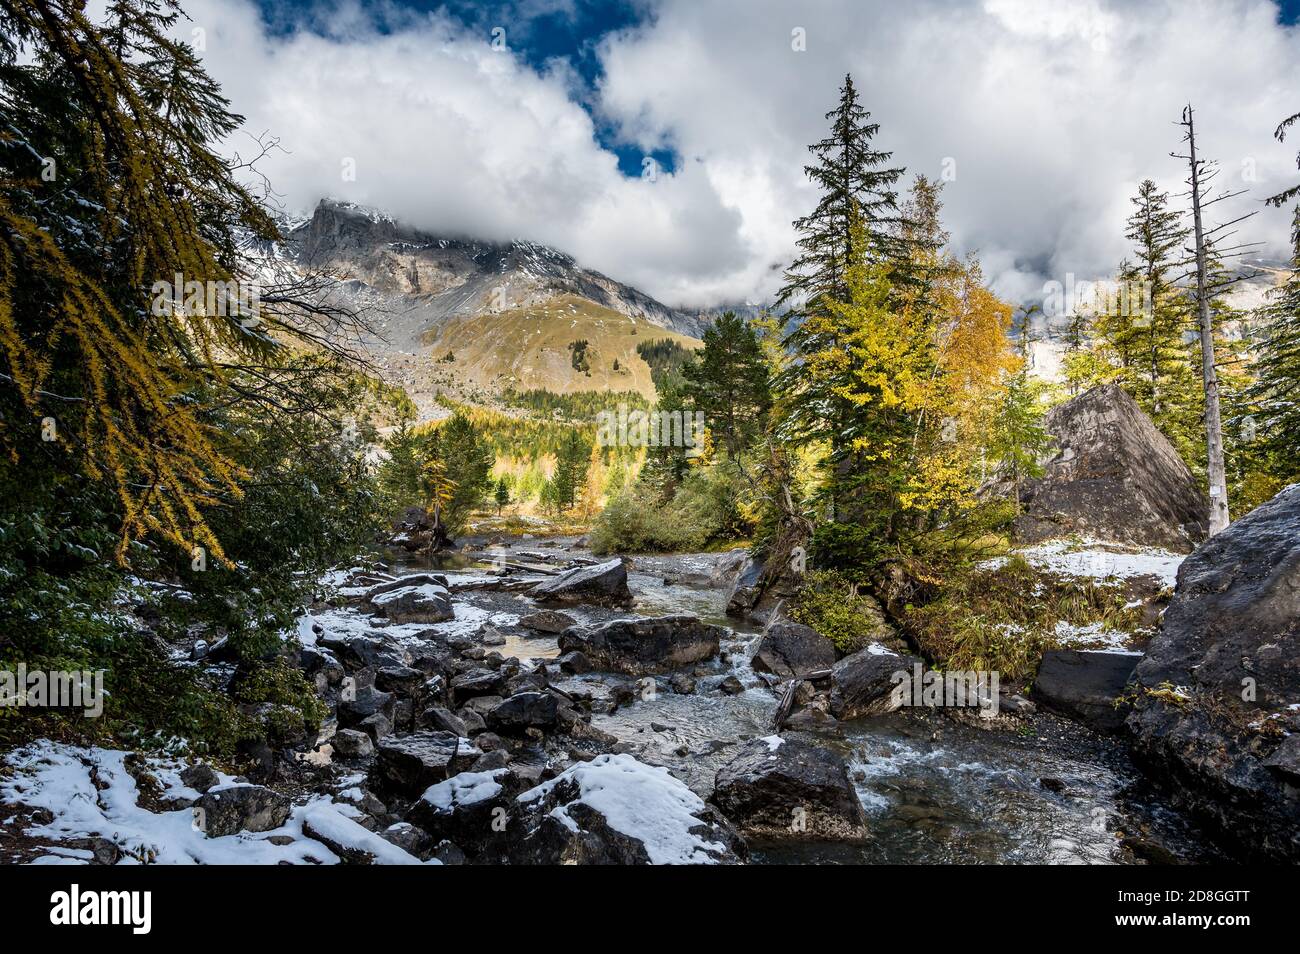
(1213, 424)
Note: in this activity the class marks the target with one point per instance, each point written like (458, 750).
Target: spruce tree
(1276, 392)
(728, 383)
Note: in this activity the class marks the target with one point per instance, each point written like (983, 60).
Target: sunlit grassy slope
(528, 347)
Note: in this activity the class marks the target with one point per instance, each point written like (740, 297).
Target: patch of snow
(877, 649)
(638, 800)
(89, 793)
(467, 788)
(1099, 561)
(774, 742)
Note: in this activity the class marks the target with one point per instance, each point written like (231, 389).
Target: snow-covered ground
(90, 794)
(1099, 561)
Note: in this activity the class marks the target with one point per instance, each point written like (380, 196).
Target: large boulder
(604, 584)
(645, 646)
(229, 809)
(1215, 713)
(864, 683)
(792, 650)
(426, 602)
(523, 711)
(552, 622)
(779, 787)
(410, 764)
(1086, 685)
(1111, 476)
(616, 810)
(472, 810)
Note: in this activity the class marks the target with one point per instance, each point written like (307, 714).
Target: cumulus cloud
(1049, 114)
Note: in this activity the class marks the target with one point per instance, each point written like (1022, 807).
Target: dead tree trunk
(1218, 517)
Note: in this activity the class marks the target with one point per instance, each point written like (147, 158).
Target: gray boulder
(547, 621)
(645, 646)
(410, 764)
(785, 786)
(792, 650)
(604, 584)
(1213, 716)
(522, 711)
(229, 809)
(1112, 476)
(863, 684)
(424, 602)
(1085, 685)
(615, 810)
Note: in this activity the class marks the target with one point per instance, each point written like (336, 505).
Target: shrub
(831, 604)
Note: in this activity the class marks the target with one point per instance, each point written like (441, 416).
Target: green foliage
(707, 508)
(453, 454)
(576, 405)
(831, 604)
(728, 382)
(1018, 439)
(666, 359)
(562, 491)
(579, 355)
(1002, 619)
(501, 494)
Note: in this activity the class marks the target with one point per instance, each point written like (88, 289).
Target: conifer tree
(728, 383)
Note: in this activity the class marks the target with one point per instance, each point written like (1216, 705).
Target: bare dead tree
(1201, 174)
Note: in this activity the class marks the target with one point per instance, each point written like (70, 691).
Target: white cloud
(1052, 115)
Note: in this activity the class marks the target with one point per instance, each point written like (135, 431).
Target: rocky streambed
(533, 704)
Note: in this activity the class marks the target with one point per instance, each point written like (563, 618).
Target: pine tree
(502, 494)
(1018, 439)
(1148, 293)
(570, 471)
(1276, 392)
(728, 383)
(854, 180)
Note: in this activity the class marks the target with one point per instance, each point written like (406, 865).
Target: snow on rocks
(616, 810)
(1100, 561)
(89, 793)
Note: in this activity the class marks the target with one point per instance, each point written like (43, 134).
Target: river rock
(412, 763)
(604, 584)
(229, 809)
(414, 603)
(792, 650)
(1111, 476)
(547, 621)
(645, 646)
(783, 787)
(365, 703)
(616, 810)
(473, 809)
(522, 711)
(1085, 685)
(352, 744)
(1227, 658)
(863, 684)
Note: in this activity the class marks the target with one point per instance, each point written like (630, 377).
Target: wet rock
(604, 584)
(616, 810)
(681, 684)
(1111, 476)
(422, 603)
(645, 646)
(411, 764)
(1085, 685)
(574, 662)
(228, 809)
(863, 684)
(1228, 659)
(401, 680)
(793, 650)
(522, 711)
(407, 837)
(548, 621)
(785, 786)
(491, 636)
(352, 744)
(731, 686)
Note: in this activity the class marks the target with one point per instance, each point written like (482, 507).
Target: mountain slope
(455, 312)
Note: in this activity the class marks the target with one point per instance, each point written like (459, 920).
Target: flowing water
(937, 787)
